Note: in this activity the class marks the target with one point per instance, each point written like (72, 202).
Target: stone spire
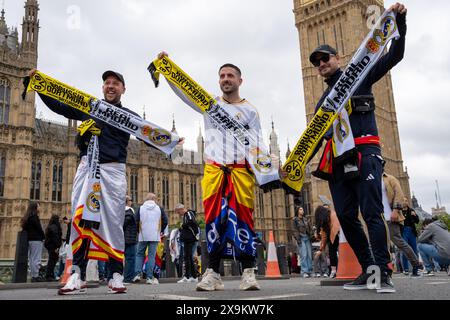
(274, 147)
(30, 28)
(200, 141)
(3, 26)
(288, 152)
(174, 127)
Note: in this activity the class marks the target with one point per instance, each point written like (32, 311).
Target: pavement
(423, 288)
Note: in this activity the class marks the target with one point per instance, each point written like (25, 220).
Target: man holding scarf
(228, 186)
(104, 241)
(353, 190)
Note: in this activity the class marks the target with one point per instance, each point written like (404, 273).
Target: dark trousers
(80, 261)
(53, 257)
(363, 193)
(189, 260)
(247, 262)
(333, 251)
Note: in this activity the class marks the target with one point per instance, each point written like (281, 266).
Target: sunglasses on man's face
(324, 58)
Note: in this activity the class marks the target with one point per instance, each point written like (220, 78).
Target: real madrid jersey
(224, 149)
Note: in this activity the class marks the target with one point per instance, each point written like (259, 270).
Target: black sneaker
(386, 285)
(415, 273)
(359, 283)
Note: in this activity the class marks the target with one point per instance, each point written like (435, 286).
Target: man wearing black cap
(364, 192)
(113, 145)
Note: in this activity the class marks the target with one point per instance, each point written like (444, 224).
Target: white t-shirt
(224, 150)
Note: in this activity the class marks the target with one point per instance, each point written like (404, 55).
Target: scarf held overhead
(114, 116)
(362, 62)
(195, 96)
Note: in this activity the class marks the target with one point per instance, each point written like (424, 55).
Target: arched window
(194, 195)
(165, 193)
(5, 101)
(181, 191)
(57, 181)
(151, 183)
(2, 172)
(35, 188)
(134, 185)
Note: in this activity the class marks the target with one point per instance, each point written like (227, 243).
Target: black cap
(322, 49)
(114, 74)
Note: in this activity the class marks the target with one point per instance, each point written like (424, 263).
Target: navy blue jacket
(364, 124)
(113, 142)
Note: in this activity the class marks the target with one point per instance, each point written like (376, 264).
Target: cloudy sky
(79, 39)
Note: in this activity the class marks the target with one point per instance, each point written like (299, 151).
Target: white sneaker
(317, 275)
(193, 280)
(136, 279)
(152, 281)
(184, 280)
(305, 275)
(249, 281)
(73, 286)
(116, 284)
(210, 281)
(325, 275)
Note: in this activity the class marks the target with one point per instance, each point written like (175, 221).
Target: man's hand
(413, 213)
(32, 72)
(162, 55)
(181, 142)
(283, 174)
(317, 254)
(398, 8)
(395, 216)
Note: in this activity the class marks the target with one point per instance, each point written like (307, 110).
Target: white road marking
(277, 297)
(175, 297)
(438, 282)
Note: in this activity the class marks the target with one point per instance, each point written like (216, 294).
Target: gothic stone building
(38, 158)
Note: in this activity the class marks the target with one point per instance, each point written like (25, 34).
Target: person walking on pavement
(189, 235)
(53, 242)
(130, 230)
(409, 232)
(392, 199)
(32, 225)
(303, 234)
(151, 220)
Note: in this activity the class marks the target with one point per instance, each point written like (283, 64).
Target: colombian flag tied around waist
(228, 198)
(362, 62)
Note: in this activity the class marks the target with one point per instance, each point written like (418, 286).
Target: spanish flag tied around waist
(362, 62)
(256, 153)
(228, 199)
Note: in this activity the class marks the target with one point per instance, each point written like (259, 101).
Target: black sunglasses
(325, 58)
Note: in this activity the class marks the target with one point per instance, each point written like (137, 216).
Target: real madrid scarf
(101, 110)
(362, 62)
(111, 115)
(92, 199)
(249, 143)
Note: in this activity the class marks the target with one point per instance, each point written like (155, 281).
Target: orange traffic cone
(348, 265)
(68, 267)
(67, 272)
(273, 269)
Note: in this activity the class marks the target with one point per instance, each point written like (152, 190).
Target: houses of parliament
(38, 158)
